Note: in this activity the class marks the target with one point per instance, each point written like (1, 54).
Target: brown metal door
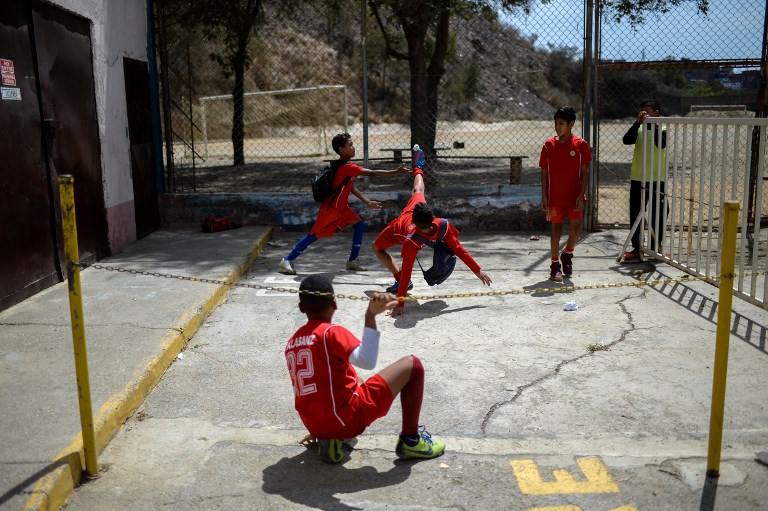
(145, 196)
(28, 255)
(68, 105)
(47, 127)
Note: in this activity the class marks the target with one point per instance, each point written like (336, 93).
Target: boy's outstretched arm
(374, 205)
(402, 169)
(366, 353)
(484, 278)
(379, 303)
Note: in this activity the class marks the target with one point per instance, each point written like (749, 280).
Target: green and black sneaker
(331, 451)
(426, 447)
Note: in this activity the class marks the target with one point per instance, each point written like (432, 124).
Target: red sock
(556, 259)
(568, 250)
(418, 171)
(411, 397)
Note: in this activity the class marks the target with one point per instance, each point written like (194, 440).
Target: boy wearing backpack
(415, 227)
(335, 212)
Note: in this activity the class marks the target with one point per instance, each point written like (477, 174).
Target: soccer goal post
(303, 115)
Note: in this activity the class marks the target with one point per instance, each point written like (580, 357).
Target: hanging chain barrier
(507, 292)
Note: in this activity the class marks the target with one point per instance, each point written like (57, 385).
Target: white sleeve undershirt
(366, 354)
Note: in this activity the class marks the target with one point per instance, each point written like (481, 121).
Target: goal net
(285, 123)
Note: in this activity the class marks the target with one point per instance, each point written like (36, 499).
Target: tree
(635, 11)
(426, 27)
(234, 23)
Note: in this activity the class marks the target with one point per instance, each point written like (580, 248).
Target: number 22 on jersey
(301, 369)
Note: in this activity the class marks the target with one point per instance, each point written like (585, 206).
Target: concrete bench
(515, 164)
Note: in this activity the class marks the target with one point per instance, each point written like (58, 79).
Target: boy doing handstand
(331, 401)
(564, 166)
(417, 217)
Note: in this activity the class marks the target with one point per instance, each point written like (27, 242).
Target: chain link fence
(693, 65)
(310, 76)
(304, 84)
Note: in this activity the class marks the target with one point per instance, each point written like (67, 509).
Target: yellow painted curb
(53, 490)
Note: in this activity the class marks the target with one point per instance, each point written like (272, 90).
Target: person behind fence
(417, 221)
(564, 164)
(635, 135)
(335, 212)
(330, 400)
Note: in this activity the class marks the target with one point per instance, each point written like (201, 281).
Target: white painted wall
(118, 29)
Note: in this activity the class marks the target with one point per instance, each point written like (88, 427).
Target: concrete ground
(603, 408)
(134, 327)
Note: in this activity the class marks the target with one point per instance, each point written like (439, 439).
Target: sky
(733, 29)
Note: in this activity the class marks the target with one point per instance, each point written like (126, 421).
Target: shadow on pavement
(31, 479)
(742, 327)
(416, 311)
(306, 480)
(548, 287)
(708, 494)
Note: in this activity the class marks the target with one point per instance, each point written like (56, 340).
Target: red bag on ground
(216, 223)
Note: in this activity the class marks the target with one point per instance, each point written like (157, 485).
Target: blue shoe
(418, 158)
(393, 288)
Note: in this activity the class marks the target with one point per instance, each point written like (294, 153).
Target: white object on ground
(570, 306)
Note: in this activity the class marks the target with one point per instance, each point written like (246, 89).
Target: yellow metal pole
(730, 227)
(69, 225)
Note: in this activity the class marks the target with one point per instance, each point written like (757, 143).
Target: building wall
(118, 29)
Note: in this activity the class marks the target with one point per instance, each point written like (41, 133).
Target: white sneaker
(355, 265)
(285, 267)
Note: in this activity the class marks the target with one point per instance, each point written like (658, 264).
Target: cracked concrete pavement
(602, 408)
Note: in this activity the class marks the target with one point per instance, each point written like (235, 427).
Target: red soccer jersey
(335, 212)
(323, 379)
(411, 249)
(563, 161)
(341, 200)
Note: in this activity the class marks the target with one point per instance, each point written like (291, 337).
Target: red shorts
(329, 220)
(371, 401)
(557, 214)
(397, 230)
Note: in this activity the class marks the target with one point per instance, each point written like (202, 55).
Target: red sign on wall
(7, 72)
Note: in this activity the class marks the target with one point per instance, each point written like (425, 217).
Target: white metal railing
(708, 161)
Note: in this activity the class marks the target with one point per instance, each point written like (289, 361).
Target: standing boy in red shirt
(564, 166)
(335, 212)
(417, 217)
(331, 401)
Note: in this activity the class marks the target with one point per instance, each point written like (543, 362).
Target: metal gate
(708, 161)
(47, 128)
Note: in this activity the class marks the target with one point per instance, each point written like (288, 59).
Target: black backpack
(443, 260)
(322, 184)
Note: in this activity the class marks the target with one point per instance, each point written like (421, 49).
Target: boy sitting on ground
(332, 403)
